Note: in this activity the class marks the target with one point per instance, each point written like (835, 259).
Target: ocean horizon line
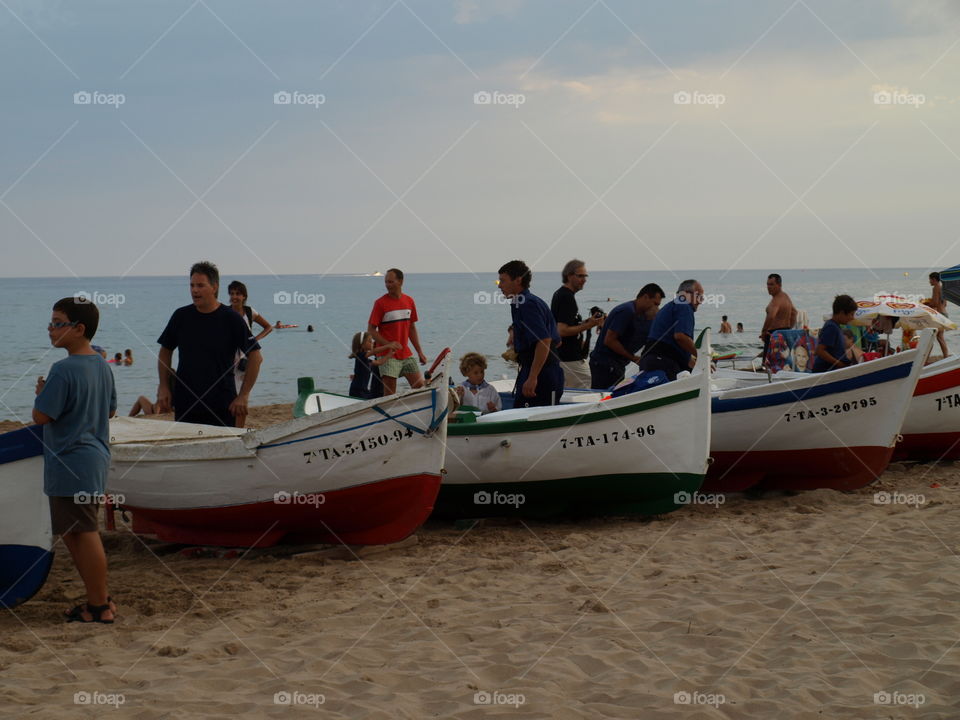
(491, 271)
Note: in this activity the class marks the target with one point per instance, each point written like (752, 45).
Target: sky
(346, 137)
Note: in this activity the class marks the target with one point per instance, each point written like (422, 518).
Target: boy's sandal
(96, 612)
(113, 608)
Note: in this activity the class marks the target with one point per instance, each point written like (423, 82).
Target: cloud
(474, 11)
(793, 93)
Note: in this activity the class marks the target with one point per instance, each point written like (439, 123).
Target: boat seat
(143, 430)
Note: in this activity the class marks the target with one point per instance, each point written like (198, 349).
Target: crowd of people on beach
(551, 344)
(220, 360)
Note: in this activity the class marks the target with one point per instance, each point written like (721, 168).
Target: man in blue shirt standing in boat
(831, 350)
(670, 347)
(535, 334)
(622, 336)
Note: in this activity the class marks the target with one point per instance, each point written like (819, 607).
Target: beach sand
(782, 606)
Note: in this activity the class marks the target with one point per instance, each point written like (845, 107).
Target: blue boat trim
(897, 372)
(21, 444)
(408, 426)
(23, 571)
(349, 429)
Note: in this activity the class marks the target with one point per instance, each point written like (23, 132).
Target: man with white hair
(574, 331)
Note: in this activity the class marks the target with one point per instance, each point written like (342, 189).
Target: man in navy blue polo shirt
(535, 334)
(622, 336)
(670, 347)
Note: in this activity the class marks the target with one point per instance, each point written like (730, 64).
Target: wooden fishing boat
(26, 539)
(365, 473)
(931, 430)
(805, 431)
(644, 452)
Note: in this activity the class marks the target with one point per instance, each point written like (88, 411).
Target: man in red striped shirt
(393, 322)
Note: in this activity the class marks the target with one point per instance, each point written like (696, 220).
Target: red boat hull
(834, 468)
(373, 514)
(932, 446)
(929, 446)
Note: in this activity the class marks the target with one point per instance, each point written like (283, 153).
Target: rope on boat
(407, 425)
(434, 424)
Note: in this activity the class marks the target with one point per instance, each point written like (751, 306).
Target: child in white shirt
(475, 391)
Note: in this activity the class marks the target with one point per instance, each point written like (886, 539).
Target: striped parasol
(912, 316)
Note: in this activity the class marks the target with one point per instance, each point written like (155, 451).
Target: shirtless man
(781, 314)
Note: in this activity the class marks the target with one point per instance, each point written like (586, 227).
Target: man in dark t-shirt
(207, 335)
(623, 335)
(574, 332)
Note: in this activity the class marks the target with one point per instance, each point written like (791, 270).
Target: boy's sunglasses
(58, 325)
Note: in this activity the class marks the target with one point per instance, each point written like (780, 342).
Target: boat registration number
(948, 401)
(362, 445)
(611, 436)
(836, 409)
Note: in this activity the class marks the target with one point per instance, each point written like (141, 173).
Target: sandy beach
(813, 605)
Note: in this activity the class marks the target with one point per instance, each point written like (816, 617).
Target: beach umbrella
(912, 316)
(951, 284)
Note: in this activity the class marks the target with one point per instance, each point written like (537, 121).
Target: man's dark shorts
(657, 361)
(605, 375)
(68, 514)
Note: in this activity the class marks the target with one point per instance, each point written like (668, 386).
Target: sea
(462, 311)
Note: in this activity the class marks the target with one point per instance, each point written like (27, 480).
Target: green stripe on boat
(525, 425)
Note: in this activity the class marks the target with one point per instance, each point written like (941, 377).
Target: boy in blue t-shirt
(831, 349)
(74, 405)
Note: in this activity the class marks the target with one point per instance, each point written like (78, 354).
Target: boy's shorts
(395, 368)
(69, 515)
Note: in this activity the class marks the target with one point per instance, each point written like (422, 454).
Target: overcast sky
(638, 135)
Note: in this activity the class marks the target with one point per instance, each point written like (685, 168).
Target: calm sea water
(462, 311)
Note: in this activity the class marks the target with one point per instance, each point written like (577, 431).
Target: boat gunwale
(597, 412)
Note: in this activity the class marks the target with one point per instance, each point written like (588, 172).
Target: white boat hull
(630, 454)
(26, 539)
(834, 429)
(363, 474)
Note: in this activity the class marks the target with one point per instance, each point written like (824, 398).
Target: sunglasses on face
(58, 325)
